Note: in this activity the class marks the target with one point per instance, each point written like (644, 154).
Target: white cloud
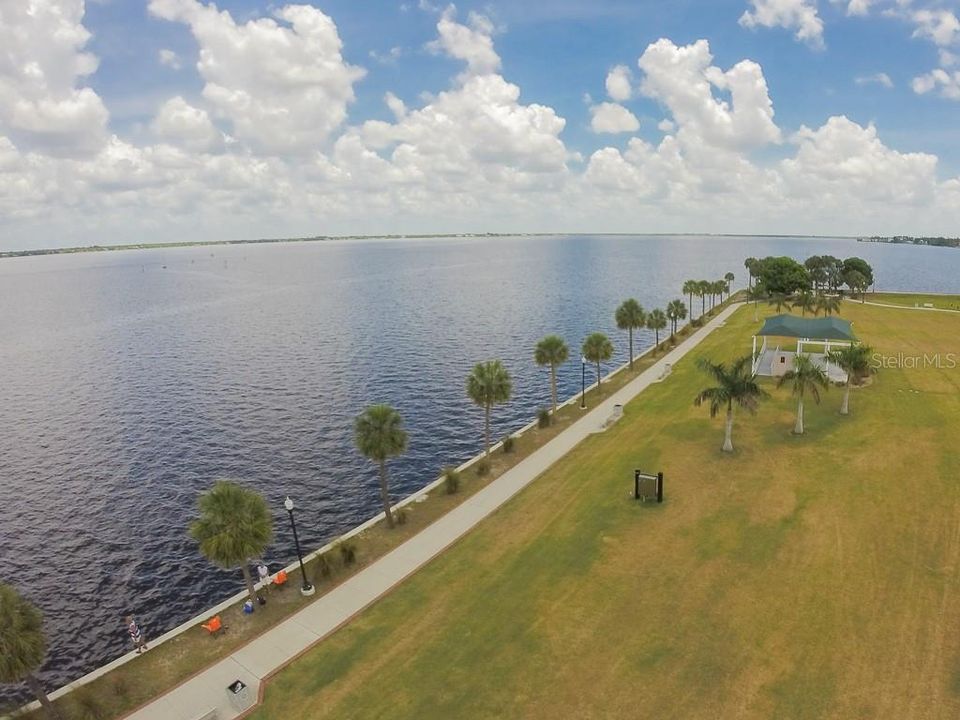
(612, 118)
(619, 83)
(880, 78)
(42, 63)
(798, 15)
(940, 26)
(667, 126)
(170, 59)
(947, 58)
(473, 43)
(183, 125)
(948, 83)
(858, 7)
(683, 80)
(281, 82)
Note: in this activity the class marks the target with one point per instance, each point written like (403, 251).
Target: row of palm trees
(805, 301)
(736, 385)
(707, 288)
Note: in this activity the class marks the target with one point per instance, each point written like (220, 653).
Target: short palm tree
(597, 348)
(805, 300)
(690, 289)
(830, 304)
(379, 435)
(806, 376)
(656, 321)
(23, 645)
(728, 281)
(855, 361)
(629, 317)
(489, 384)
(552, 351)
(676, 311)
(735, 386)
(779, 301)
(235, 525)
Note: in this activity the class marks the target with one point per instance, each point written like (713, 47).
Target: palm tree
(630, 316)
(728, 281)
(23, 645)
(805, 300)
(552, 351)
(804, 376)
(379, 435)
(829, 304)
(489, 384)
(656, 321)
(676, 311)
(690, 289)
(596, 349)
(751, 265)
(735, 385)
(755, 294)
(703, 287)
(720, 287)
(234, 526)
(779, 301)
(855, 360)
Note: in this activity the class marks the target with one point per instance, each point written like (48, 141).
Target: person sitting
(280, 578)
(214, 625)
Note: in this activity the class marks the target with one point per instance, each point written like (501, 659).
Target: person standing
(136, 635)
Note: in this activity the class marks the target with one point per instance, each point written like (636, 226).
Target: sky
(127, 121)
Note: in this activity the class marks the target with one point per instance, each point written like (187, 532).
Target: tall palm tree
(805, 300)
(751, 265)
(629, 317)
(755, 294)
(829, 304)
(597, 348)
(805, 376)
(379, 435)
(690, 289)
(719, 288)
(489, 384)
(728, 281)
(235, 525)
(656, 321)
(23, 645)
(735, 386)
(855, 360)
(552, 351)
(676, 311)
(703, 287)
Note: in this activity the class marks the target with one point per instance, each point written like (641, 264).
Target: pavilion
(826, 333)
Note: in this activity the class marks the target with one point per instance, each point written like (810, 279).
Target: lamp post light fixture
(306, 588)
(583, 383)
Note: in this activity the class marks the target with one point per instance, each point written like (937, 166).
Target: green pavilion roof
(825, 328)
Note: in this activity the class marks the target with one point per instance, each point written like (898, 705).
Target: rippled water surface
(129, 381)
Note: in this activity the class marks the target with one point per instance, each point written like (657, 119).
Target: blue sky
(139, 143)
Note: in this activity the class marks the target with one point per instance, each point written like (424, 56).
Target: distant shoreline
(324, 238)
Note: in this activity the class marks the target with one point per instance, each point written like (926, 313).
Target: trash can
(240, 696)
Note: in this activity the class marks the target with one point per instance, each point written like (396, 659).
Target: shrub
(543, 418)
(508, 442)
(324, 567)
(348, 552)
(85, 705)
(483, 468)
(451, 480)
(401, 515)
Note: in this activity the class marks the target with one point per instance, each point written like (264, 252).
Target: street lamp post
(583, 383)
(306, 588)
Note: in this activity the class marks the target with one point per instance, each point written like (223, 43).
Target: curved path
(205, 696)
(909, 307)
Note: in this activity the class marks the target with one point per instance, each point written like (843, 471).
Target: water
(129, 381)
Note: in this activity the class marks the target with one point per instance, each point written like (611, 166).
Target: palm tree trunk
(248, 581)
(37, 689)
(553, 385)
(845, 407)
(656, 335)
(703, 304)
(798, 428)
(728, 437)
(630, 334)
(690, 305)
(599, 391)
(486, 429)
(385, 494)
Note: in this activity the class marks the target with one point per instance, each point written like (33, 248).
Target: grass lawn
(946, 302)
(800, 577)
(166, 665)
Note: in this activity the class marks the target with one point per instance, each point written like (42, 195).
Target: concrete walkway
(205, 696)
